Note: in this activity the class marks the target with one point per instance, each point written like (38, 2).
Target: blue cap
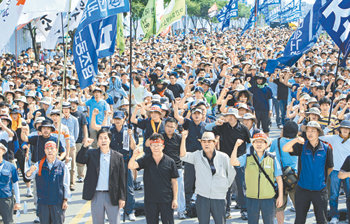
(118, 115)
(199, 89)
(179, 66)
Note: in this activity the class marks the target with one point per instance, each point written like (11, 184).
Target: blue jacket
(261, 98)
(312, 174)
(49, 185)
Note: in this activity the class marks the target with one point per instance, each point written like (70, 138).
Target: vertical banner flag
(174, 12)
(120, 34)
(10, 11)
(38, 8)
(45, 23)
(213, 10)
(335, 19)
(252, 17)
(95, 36)
(56, 31)
(231, 11)
(228, 11)
(301, 40)
(148, 20)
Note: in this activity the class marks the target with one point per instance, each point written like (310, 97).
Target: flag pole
(256, 32)
(64, 77)
(335, 86)
(129, 118)
(64, 45)
(16, 50)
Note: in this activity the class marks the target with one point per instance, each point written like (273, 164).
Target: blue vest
(49, 185)
(312, 173)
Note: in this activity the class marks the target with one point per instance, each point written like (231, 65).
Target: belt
(102, 191)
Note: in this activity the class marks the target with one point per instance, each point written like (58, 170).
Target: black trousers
(303, 199)
(263, 119)
(153, 209)
(189, 182)
(20, 156)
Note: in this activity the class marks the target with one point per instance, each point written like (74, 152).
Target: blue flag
(291, 12)
(301, 40)
(95, 36)
(335, 19)
(252, 17)
(227, 12)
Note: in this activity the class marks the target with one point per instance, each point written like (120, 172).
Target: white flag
(76, 14)
(45, 23)
(10, 11)
(56, 31)
(38, 8)
(48, 6)
(55, 34)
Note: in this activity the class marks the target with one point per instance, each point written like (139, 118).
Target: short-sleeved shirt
(176, 89)
(8, 176)
(37, 143)
(145, 124)
(102, 107)
(172, 148)
(82, 122)
(195, 133)
(229, 135)
(157, 178)
(346, 165)
(298, 148)
(287, 159)
(277, 167)
(282, 90)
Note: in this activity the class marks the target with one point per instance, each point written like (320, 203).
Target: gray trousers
(206, 207)
(51, 214)
(100, 204)
(6, 210)
(93, 135)
(267, 208)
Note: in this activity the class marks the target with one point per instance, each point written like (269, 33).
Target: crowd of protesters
(202, 106)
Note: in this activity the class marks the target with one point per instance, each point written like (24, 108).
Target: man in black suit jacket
(105, 181)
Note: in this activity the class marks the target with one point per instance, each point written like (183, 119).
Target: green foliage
(137, 8)
(243, 10)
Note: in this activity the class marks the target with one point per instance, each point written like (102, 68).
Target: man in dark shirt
(315, 163)
(282, 94)
(229, 132)
(37, 142)
(175, 87)
(196, 128)
(344, 173)
(262, 102)
(83, 133)
(159, 179)
(149, 125)
(172, 149)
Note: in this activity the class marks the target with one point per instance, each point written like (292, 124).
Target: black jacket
(117, 174)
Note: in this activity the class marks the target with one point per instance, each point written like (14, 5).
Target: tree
(32, 30)
(137, 10)
(193, 11)
(243, 10)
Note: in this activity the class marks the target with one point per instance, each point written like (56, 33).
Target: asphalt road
(78, 211)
